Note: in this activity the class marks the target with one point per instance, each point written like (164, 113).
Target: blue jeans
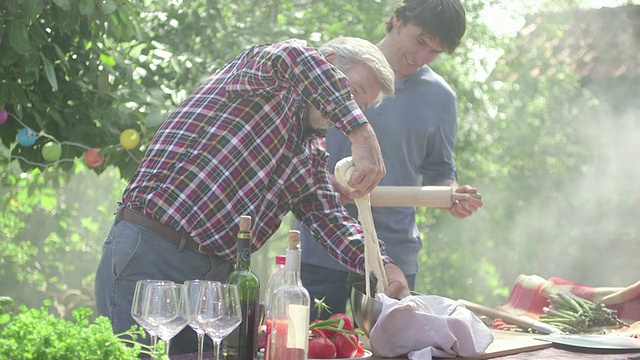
(131, 253)
(334, 286)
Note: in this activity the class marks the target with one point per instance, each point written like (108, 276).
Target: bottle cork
(245, 227)
(245, 223)
(294, 240)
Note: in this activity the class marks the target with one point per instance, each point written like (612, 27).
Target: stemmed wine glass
(166, 310)
(192, 288)
(218, 312)
(138, 301)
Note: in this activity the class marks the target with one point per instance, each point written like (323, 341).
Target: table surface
(555, 353)
(509, 345)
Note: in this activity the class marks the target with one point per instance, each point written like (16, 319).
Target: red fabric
(528, 299)
(584, 291)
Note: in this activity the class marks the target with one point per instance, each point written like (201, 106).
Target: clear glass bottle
(241, 343)
(289, 335)
(276, 279)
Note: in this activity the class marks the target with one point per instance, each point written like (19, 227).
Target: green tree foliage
(62, 74)
(117, 65)
(83, 71)
(51, 231)
(560, 146)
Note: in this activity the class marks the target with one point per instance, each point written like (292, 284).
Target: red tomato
(321, 348)
(344, 347)
(348, 323)
(360, 352)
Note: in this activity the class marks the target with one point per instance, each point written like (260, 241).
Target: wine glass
(166, 310)
(218, 312)
(136, 305)
(192, 288)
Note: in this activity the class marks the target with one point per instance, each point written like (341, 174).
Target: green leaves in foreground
(5, 317)
(36, 334)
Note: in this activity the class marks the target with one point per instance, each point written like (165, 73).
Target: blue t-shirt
(416, 129)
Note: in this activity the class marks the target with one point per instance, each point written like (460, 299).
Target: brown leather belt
(161, 229)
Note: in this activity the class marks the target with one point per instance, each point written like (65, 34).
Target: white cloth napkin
(424, 326)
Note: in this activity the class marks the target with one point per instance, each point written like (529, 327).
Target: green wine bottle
(241, 343)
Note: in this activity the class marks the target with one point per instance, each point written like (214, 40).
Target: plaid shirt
(236, 146)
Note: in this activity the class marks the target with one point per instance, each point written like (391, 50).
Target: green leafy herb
(320, 306)
(37, 334)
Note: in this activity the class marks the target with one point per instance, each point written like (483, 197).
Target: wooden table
(512, 346)
(552, 353)
(547, 354)
(509, 345)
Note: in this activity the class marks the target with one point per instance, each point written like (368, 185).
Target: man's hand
(463, 208)
(343, 191)
(367, 158)
(398, 287)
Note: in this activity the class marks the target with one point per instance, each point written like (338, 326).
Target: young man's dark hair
(441, 19)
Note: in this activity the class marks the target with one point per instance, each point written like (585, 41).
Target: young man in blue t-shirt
(416, 130)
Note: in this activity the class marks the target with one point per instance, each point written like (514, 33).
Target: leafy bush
(37, 334)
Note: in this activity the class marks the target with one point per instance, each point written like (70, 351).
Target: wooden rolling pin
(428, 196)
(522, 321)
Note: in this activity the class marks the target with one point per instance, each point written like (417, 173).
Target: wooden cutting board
(504, 343)
(509, 343)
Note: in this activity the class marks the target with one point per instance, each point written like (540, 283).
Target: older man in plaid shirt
(248, 141)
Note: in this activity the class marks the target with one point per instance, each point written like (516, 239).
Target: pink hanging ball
(3, 116)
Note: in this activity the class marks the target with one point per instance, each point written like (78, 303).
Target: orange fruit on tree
(92, 158)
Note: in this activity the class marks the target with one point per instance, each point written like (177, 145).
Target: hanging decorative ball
(3, 116)
(92, 158)
(51, 151)
(129, 139)
(27, 137)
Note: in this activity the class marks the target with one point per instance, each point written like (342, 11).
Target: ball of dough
(344, 170)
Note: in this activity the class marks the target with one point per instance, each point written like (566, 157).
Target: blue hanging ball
(27, 137)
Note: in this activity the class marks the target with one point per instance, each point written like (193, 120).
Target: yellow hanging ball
(129, 139)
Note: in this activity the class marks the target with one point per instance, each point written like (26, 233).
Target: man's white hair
(352, 50)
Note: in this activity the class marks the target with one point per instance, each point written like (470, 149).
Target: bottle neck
(292, 268)
(243, 259)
